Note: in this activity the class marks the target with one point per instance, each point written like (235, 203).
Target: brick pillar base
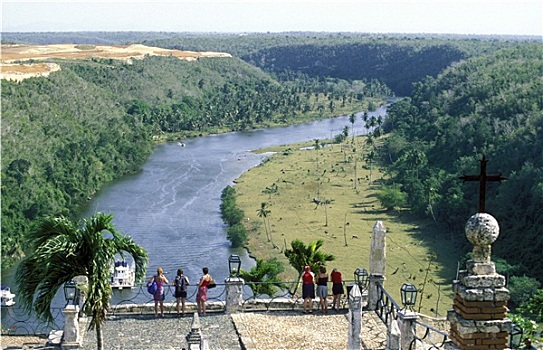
(479, 316)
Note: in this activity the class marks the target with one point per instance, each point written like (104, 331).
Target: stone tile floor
(249, 330)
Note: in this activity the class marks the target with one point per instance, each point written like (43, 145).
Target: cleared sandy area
(13, 57)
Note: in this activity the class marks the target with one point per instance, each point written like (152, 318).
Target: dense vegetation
(64, 136)
(489, 106)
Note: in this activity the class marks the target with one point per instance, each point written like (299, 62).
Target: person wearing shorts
(181, 282)
(337, 288)
(322, 288)
(308, 289)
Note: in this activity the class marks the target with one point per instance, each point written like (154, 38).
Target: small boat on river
(122, 275)
(6, 296)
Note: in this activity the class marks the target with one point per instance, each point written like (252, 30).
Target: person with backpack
(159, 294)
(181, 282)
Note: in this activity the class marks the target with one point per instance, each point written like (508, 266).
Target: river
(171, 206)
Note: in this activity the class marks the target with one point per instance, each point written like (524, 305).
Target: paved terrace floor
(249, 330)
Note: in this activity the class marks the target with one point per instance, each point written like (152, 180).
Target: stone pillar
(71, 337)
(406, 323)
(377, 263)
(393, 336)
(478, 319)
(378, 249)
(234, 294)
(355, 318)
(373, 292)
(195, 340)
(82, 285)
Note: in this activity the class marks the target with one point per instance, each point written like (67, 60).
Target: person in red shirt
(308, 289)
(337, 288)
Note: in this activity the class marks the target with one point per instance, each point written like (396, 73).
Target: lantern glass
(361, 278)
(409, 294)
(515, 337)
(234, 264)
(69, 292)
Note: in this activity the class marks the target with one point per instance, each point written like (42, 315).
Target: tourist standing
(337, 288)
(308, 289)
(201, 297)
(322, 288)
(159, 295)
(181, 282)
(528, 345)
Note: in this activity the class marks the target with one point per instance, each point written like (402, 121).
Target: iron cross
(482, 178)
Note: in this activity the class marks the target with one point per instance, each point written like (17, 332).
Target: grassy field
(295, 175)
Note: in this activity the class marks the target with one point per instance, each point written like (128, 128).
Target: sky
(479, 17)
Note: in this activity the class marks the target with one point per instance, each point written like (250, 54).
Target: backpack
(180, 283)
(152, 288)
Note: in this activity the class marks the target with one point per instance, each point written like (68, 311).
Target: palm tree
(61, 250)
(263, 213)
(352, 119)
(370, 157)
(317, 147)
(262, 278)
(301, 255)
(324, 202)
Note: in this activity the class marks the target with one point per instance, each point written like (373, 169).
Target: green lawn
(346, 223)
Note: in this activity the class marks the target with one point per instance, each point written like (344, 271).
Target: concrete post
(406, 323)
(195, 340)
(71, 338)
(234, 294)
(82, 285)
(377, 263)
(378, 249)
(355, 318)
(374, 280)
(393, 336)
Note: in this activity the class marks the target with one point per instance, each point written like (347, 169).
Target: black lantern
(515, 337)
(70, 292)
(409, 294)
(361, 278)
(234, 264)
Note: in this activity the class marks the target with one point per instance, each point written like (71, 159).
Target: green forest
(65, 136)
(490, 106)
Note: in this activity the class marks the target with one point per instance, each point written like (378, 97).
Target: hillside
(96, 119)
(486, 106)
(17, 61)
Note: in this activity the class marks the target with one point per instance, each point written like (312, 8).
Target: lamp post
(361, 277)
(234, 264)
(71, 294)
(408, 293)
(234, 286)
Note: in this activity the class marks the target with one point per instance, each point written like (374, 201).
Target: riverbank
(295, 183)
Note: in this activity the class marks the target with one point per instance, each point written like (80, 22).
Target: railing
(282, 299)
(387, 309)
(138, 301)
(16, 321)
(430, 336)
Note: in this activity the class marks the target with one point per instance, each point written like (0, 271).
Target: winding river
(171, 206)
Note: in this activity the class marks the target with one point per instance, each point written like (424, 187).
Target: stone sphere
(482, 229)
